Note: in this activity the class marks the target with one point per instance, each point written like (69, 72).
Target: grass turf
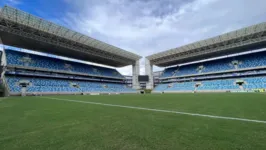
(36, 123)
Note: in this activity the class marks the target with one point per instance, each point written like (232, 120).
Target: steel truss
(22, 24)
(198, 49)
(26, 32)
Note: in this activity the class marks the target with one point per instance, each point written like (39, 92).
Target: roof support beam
(30, 33)
(232, 44)
(243, 37)
(37, 24)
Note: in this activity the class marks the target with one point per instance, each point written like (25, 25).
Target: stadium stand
(212, 59)
(236, 73)
(55, 75)
(22, 59)
(232, 63)
(59, 60)
(227, 84)
(248, 83)
(47, 85)
(255, 83)
(58, 76)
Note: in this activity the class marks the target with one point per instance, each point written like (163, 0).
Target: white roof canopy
(34, 22)
(238, 37)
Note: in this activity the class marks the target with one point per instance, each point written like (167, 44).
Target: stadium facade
(33, 74)
(24, 73)
(239, 73)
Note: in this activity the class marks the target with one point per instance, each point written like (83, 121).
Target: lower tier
(17, 85)
(240, 84)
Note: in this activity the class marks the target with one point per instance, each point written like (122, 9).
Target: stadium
(233, 73)
(211, 94)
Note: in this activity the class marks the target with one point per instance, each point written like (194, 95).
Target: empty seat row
(31, 60)
(238, 62)
(62, 85)
(214, 85)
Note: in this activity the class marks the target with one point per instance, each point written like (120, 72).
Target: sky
(146, 27)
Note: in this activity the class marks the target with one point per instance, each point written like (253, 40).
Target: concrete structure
(249, 38)
(135, 74)
(21, 29)
(156, 77)
(149, 72)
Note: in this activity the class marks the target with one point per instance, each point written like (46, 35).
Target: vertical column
(1, 45)
(135, 74)
(3, 56)
(149, 72)
(3, 65)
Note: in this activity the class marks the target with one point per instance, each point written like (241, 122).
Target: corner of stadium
(30, 74)
(210, 94)
(232, 62)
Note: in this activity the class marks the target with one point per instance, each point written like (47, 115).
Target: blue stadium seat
(185, 86)
(226, 84)
(250, 83)
(232, 63)
(255, 83)
(30, 60)
(60, 85)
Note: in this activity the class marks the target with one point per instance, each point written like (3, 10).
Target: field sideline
(65, 122)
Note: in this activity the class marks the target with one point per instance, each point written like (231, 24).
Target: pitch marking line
(159, 110)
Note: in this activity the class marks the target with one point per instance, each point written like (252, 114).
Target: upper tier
(30, 60)
(225, 64)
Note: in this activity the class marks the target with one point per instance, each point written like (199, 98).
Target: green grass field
(41, 123)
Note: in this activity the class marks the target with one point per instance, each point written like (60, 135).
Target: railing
(59, 71)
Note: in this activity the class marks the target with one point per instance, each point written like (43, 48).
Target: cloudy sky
(147, 26)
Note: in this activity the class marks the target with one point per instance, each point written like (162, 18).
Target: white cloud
(150, 26)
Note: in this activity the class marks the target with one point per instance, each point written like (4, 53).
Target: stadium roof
(249, 38)
(21, 29)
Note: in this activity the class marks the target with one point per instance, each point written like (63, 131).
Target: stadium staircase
(166, 89)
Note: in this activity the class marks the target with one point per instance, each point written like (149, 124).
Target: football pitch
(134, 122)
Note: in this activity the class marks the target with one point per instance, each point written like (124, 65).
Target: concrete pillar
(3, 56)
(3, 65)
(135, 74)
(149, 72)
